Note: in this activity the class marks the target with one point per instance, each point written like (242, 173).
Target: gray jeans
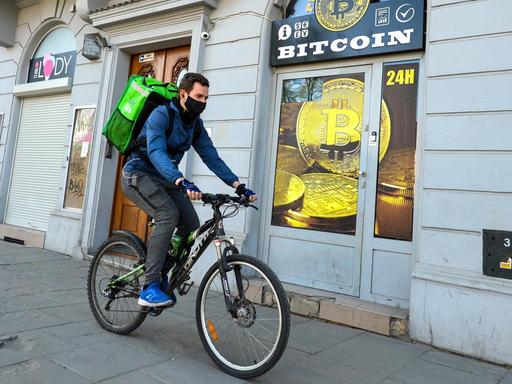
(170, 208)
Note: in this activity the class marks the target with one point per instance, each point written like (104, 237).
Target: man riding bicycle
(151, 178)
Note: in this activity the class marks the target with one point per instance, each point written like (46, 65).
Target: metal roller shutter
(38, 161)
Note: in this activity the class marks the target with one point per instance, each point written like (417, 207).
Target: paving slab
(297, 319)
(507, 379)
(375, 356)
(191, 369)
(72, 312)
(170, 340)
(107, 361)
(314, 336)
(295, 375)
(11, 303)
(291, 356)
(465, 364)
(186, 305)
(10, 357)
(12, 323)
(424, 372)
(20, 257)
(39, 371)
(69, 296)
(39, 343)
(30, 345)
(71, 330)
(136, 377)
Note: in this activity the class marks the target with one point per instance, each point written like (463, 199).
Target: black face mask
(194, 107)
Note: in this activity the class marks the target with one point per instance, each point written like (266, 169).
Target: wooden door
(165, 65)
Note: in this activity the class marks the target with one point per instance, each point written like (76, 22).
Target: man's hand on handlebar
(242, 191)
(192, 191)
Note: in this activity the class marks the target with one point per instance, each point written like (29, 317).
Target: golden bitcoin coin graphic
(329, 130)
(396, 172)
(338, 15)
(330, 202)
(395, 197)
(288, 191)
(289, 159)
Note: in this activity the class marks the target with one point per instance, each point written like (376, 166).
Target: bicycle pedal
(144, 309)
(183, 290)
(156, 311)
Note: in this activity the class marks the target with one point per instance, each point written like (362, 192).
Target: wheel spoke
(253, 340)
(116, 258)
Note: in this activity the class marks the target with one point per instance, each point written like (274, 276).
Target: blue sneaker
(152, 296)
(164, 286)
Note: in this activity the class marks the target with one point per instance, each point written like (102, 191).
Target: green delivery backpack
(140, 97)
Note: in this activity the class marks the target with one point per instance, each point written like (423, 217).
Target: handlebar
(219, 199)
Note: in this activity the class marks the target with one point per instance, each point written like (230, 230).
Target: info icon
(382, 16)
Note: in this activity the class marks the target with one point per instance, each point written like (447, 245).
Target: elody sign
(51, 67)
(334, 29)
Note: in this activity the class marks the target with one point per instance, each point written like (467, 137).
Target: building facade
(380, 167)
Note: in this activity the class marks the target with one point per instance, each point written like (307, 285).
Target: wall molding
(461, 278)
(143, 9)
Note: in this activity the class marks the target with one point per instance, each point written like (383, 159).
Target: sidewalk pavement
(56, 340)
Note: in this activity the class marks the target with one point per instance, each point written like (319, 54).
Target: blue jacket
(165, 152)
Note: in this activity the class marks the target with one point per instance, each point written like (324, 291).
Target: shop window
(79, 158)
(396, 173)
(55, 57)
(319, 142)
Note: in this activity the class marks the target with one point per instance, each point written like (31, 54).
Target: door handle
(362, 173)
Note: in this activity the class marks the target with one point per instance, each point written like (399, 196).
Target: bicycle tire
(202, 324)
(140, 254)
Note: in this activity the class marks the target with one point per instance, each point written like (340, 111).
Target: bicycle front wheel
(251, 340)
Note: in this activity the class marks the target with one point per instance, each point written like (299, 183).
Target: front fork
(224, 268)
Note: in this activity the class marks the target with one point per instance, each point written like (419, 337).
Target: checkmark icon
(405, 13)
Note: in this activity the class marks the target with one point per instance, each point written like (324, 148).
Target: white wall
(466, 173)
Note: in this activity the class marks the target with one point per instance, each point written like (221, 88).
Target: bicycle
(242, 312)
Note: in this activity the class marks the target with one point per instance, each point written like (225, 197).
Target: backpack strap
(170, 112)
(137, 143)
(197, 131)
(197, 126)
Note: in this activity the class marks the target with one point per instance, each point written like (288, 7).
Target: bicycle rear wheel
(251, 342)
(115, 306)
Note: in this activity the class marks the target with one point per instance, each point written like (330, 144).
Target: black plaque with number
(497, 253)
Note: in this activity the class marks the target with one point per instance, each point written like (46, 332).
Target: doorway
(164, 65)
(341, 190)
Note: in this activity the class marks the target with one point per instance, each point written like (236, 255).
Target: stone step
(25, 236)
(340, 309)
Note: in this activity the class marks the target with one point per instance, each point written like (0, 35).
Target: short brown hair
(188, 81)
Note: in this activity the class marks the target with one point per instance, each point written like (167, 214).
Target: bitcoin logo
(338, 15)
(329, 131)
(342, 134)
(341, 8)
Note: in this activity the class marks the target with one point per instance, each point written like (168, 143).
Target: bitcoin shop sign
(335, 29)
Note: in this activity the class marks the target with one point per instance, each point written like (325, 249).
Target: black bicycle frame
(216, 234)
